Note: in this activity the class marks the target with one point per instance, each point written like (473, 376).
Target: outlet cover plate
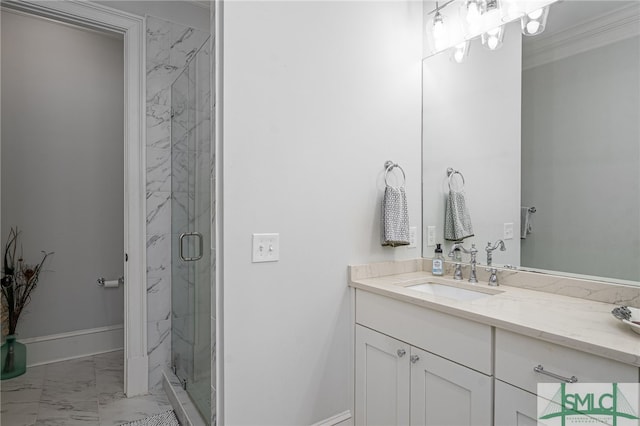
(508, 231)
(266, 248)
(431, 236)
(413, 237)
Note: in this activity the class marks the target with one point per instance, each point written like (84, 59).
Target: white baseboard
(75, 344)
(342, 419)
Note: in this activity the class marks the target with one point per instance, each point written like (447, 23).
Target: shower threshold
(185, 409)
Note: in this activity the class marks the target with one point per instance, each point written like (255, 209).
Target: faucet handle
(493, 278)
(457, 274)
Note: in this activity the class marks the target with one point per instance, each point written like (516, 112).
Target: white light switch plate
(431, 236)
(508, 231)
(266, 248)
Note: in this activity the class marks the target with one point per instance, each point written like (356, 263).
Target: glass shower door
(191, 231)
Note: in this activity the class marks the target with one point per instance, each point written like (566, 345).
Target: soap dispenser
(438, 262)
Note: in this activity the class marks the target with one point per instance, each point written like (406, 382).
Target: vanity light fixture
(533, 23)
(512, 10)
(460, 51)
(494, 38)
(471, 12)
(439, 30)
(490, 6)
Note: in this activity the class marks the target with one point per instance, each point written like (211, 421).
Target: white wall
(62, 168)
(472, 123)
(317, 96)
(580, 162)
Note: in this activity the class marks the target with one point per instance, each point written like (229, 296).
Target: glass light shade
(533, 23)
(494, 38)
(511, 10)
(471, 10)
(439, 32)
(471, 14)
(460, 52)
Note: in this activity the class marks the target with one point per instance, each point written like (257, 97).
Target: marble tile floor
(84, 391)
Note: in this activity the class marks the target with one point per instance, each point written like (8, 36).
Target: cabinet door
(444, 393)
(382, 379)
(514, 407)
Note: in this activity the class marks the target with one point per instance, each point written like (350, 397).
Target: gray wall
(581, 162)
(62, 168)
(316, 97)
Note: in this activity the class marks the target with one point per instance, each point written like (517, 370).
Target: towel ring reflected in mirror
(390, 165)
(451, 173)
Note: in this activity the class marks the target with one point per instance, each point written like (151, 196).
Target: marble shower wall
(170, 47)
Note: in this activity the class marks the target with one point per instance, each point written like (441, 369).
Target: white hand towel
(457, 222)
(395, 217)
(525, 222)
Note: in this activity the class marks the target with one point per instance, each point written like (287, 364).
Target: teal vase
(13, 358)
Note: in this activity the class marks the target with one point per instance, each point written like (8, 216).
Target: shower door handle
(200, 246)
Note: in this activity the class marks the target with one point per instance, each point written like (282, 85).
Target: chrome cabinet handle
(414, 359)
(200, 246)
(540, 369)
(401, 352)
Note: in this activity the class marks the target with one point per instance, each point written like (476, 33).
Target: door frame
(132, 28)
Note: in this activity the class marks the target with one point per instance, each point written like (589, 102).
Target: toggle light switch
(266, 248)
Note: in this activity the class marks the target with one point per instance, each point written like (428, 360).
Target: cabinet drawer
(517, 355)
(459, 340)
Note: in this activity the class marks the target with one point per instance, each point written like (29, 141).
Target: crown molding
(200, 3)
(605, 29)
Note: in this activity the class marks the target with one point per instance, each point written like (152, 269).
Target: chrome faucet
(493, 279)
(473, 252)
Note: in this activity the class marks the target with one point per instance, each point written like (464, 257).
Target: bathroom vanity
(428, 357)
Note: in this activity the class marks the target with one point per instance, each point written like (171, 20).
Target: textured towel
(457, 222)
(395, 217)
(525, 222)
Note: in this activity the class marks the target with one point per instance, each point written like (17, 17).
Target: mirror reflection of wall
(581, 151)
(575, 106)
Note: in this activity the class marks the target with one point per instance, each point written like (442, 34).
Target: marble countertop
(573, 322)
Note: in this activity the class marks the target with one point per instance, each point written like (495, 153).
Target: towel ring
(390, 165)
(450, 173)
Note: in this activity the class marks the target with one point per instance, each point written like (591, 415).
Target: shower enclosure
(191, 223)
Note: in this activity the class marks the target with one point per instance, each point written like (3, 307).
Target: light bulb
(533, 23)
(460, 52)
(439, 32)
(473, 11)
(536, 14)
(492, 42)
(493, 38)
(533, 27)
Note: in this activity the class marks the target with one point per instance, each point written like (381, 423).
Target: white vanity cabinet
(513, 406)
(516, 356)
(444, 393)
(382, 379)
(398, 382)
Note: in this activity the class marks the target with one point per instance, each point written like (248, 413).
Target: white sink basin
(449, 292)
